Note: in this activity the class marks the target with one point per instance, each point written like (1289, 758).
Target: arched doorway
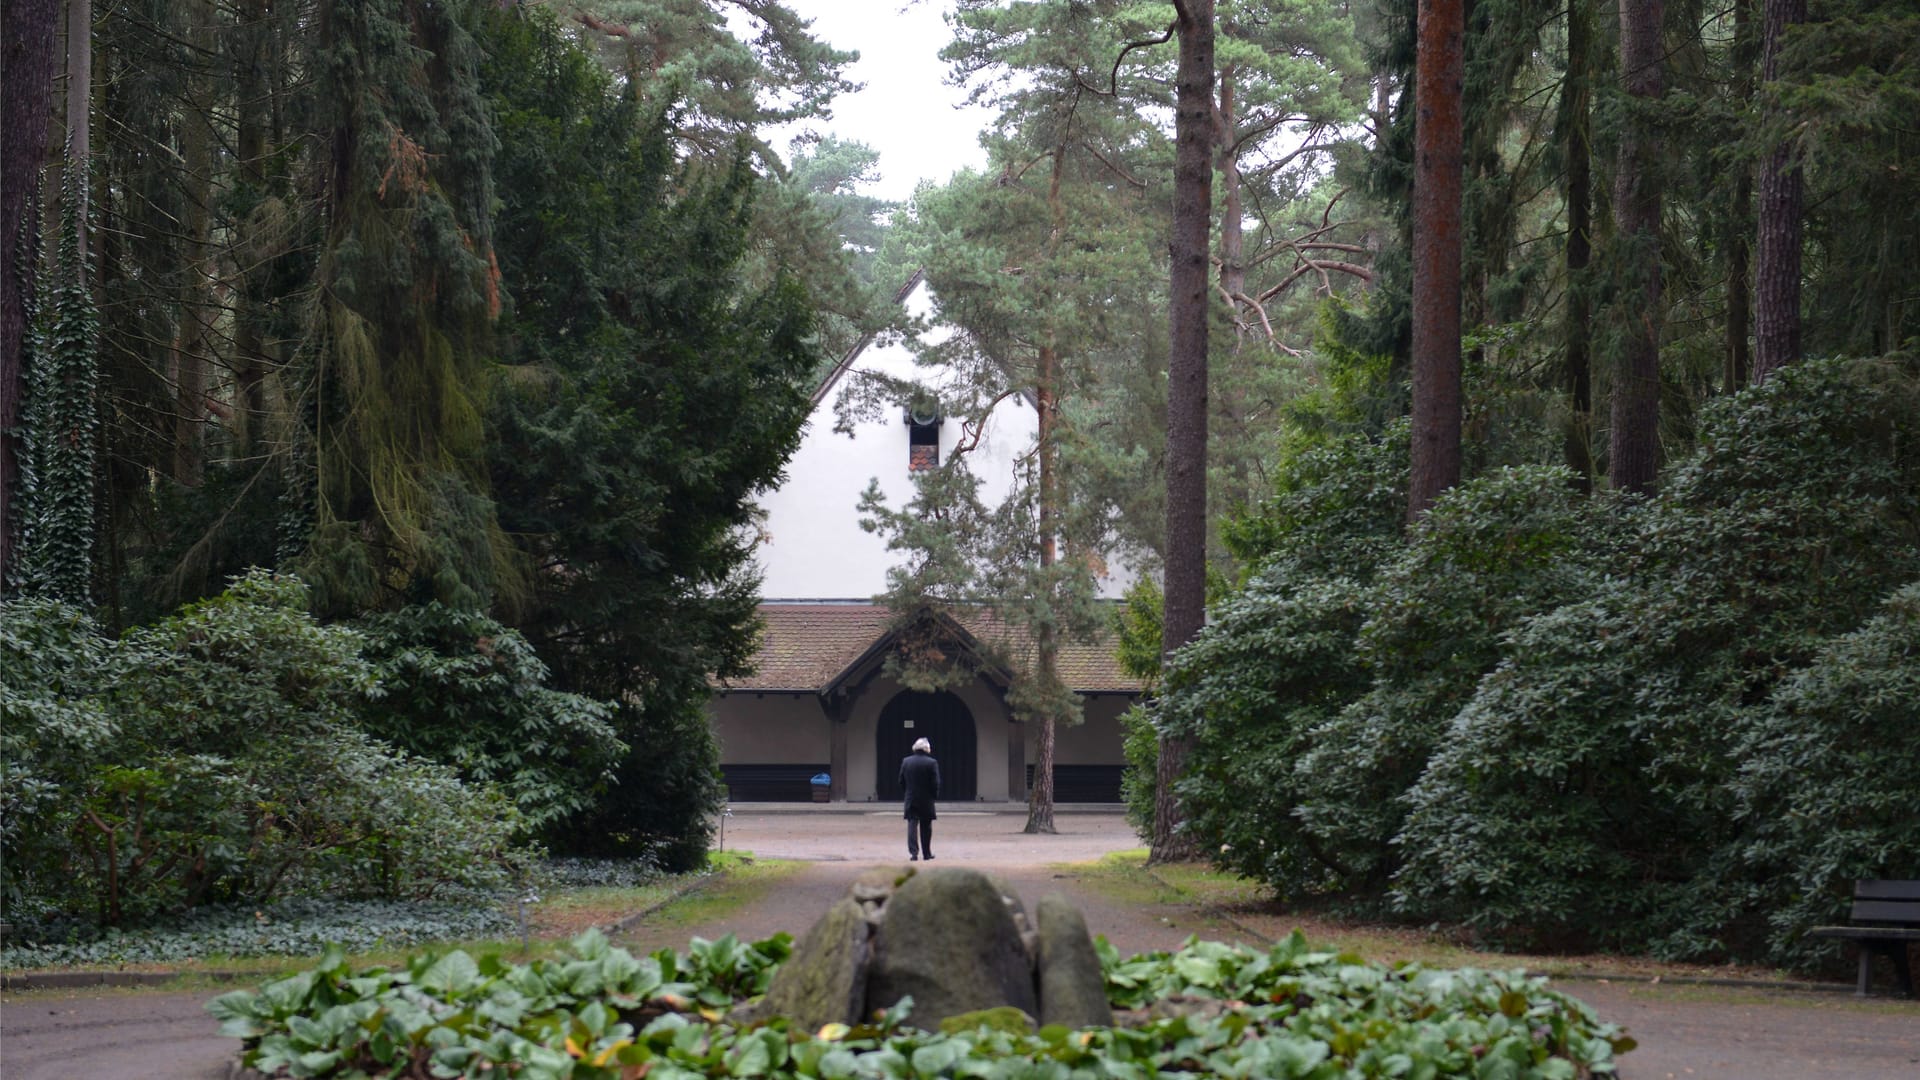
(943, 720)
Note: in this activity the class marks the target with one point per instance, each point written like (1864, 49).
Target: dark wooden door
(943, 720)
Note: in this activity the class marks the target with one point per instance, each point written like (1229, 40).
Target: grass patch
(1251, 906)
(747, 881)
(1761, 995)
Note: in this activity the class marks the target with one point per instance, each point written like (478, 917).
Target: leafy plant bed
(1206, 1010)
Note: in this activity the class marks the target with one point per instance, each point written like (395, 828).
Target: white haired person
(920, 781)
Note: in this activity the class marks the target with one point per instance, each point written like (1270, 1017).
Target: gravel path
(837, 845)
(1684, 1033)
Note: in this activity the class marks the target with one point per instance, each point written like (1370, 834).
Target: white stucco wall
(768, 729)
(812, 546)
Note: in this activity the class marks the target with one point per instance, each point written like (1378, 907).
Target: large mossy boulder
(825, 980)
(949, 940)
(1073, 990)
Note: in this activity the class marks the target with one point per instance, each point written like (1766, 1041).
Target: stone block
(949, 941)
(1073, 992)
(825, 980)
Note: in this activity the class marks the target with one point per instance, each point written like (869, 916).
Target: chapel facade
(820, 699)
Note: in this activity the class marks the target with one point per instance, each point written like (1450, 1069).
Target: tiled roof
(805, 647)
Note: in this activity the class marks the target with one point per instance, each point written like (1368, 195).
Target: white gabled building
(819, 701)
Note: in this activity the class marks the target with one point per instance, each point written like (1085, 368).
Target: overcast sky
(906, 109)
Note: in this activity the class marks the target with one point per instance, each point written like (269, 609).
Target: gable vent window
(923, 437)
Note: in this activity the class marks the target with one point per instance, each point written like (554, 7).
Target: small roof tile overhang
(819, 647)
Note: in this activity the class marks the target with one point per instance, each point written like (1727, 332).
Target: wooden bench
(1886, 916)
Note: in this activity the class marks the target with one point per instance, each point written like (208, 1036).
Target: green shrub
(1137, 633)
(458, 688)
(665, 796)
(233, 768)
(1277, 660)
(1575, 721)
(1140, 744)
(250, 680)
(1828, 787)
(1274, 664)
(53, 725)
(1529, 815)
(1588, 788)
(1337, 509)
(1491, 552)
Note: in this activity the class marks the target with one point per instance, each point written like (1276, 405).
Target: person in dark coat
(920, 780)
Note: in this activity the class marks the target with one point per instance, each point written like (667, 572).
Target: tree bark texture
(1634, 449)
(29, 50)
(192, 345)
(1186, 550)
(1233, 258)
(80, 108)
(1576, 121)
(1739, 356)
(1046, 642)
(1438, 147)
(1776, 299)
(255, 100)
(1739, 241)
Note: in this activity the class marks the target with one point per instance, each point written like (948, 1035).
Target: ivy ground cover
(1206, 1010)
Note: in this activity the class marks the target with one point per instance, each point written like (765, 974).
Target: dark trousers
(924, 842)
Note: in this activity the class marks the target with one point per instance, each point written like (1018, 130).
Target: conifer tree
(408, 287)
(725, 81)
(646, 396)
(1438, 135)
(1782, 195)
(1634, 444)
(1185, 591)
(1045, 265)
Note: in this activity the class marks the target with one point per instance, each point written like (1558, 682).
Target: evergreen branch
(1309, 266)
(971, 430)
(1265, 126)
(1115, 169)
(1113, 78)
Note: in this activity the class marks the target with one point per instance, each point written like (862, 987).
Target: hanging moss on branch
(408, 291)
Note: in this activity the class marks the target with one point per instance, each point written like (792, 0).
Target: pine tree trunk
(254, 99)
(29, 49)
(1740, 225)
(1186, 465)
(1233, 258)
(1046, 645)
(80, 106)
(1739, 355)
(1577, 132)
(1776, 301)
(1635, 444)
(196, 305)
(1439, 82)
